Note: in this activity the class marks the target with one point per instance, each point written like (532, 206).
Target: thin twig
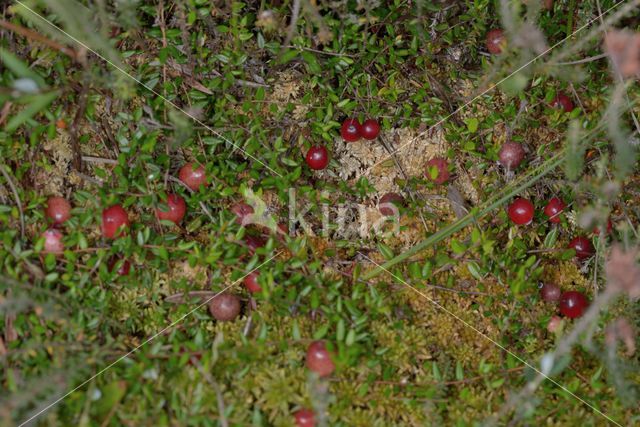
(221, 406)
(7, 177)
(92, 159)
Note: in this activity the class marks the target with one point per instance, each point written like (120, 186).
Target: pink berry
(304, 418)
(389, 203)
(496, 41)
(319, 359)
(53, 242)
(193, 176)
(243, 213)
(224, 307)
(58, 209)
(438, 170)
(511, 155)
(550, 292)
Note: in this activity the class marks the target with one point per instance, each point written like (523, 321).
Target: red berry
(124, 268)
(521, 211)
(319, 359)
(350, 130)
(550, 292)
(553, 209)
(562, 101)
(389, 203)
(52, 242)
(176, 208)
(511, 155)
(243, 213)
(438, 170)
(224, 307)
(192, 176)
(317, 157)
(114, 218)
(370, 129)
(305, 418)
(58, 209)
(496, 41)
(583, 247)
(254, 243)
(251, 282)
(596, 230)
(573, 304)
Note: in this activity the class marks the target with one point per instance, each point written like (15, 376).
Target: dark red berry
(52, 242)
(550, 292)
(114, 220)
(251, 282)
(317, 157)
(583, 247)
(370, 129)
(243, 213)
(254, 243)
(224, 307)
(123, 269)
(596, 230)
(573, 304)
(350, 130)
(438, 170)
(175, 209)
(496, 41)
(319, 359)
(305, 418)
(553, 209)
(389, 204)
(58, 210)
(193, 176)
(562, 101)
(521, 211)
(511, 155)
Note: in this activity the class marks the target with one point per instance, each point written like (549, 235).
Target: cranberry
(351, 130)
(370, 129)
(438, 170)
(251, 282)
(547, 4)
(305, 418)
(573, 304)
(550, 292)
(254, 243)
(319, 359)
(124, 268)
(596, 230)
(225, 307)
(583, 247)
(176, 209)
(553, 209)
(554, 324)
(389, 202)
(317, 157)
(243, 213)
(58, 209)
(511, 155)
(521, 211)
(495, 41)
(114, 218)
(192, 176)
(562, 101)
(53, 242)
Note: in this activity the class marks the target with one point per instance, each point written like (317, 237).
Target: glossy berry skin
(193, 176)
(553, 210)
(58, 210)
(573, 304)
(251, 282)
(176, 209)
(441, 166)
(224, 307)
(114, 220)
(351, 130)
(495, 41)
(243, 213)
(511, 155)
(550, 292)
(389, 203)
(319, 359)
(52, 242)
(562, 101)
(317, 157)
(370, 129)
(305, 418)
(123, 270)
(583, 247)
(521, 211)
(254, 243)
